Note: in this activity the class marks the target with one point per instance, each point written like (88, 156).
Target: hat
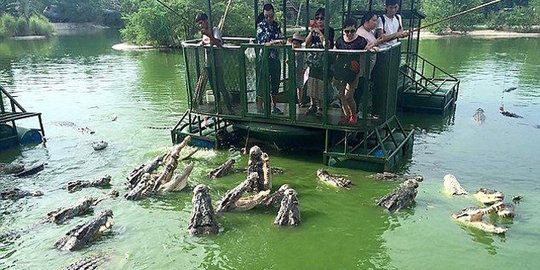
(297, 36)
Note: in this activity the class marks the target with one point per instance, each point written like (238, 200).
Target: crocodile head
(507, 211)
(488, 196)
(472, 217)
(85, 233)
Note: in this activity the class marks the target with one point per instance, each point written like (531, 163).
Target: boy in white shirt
(390, 25)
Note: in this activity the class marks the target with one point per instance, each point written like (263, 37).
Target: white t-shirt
(390, 26)
(219, 54)
(368, 35)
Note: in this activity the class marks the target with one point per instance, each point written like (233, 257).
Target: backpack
(399, 21)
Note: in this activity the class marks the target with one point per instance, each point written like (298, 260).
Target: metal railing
(426, 76)
(246, 75)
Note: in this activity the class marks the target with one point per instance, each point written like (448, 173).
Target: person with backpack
(390, 25)
(348, 70)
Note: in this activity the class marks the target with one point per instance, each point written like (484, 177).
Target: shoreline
(124, 46)
(481, 34)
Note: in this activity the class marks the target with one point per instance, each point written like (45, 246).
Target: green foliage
(518, 18)
(12, 26)
(148, 26)
(9, 24)
(438, 9)
(147, 22)
(40, 26)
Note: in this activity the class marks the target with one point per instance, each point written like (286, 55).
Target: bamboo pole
(457, 15)
(203, 78)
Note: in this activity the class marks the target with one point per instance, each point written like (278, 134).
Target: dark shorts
(274, 73)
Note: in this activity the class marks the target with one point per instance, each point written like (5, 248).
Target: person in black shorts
(347, 70)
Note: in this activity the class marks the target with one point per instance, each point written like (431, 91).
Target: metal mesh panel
(252, 59)
(229, 96)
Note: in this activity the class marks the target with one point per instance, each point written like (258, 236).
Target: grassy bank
(11, 26)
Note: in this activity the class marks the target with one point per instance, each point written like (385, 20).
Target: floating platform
(425, 87)
(384, 148)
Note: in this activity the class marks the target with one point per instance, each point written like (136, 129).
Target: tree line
(148, 22)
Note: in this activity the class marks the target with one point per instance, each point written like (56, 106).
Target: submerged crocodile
(488, 196)
(77, 185)
(81, 207)
(387, 176)
(222, 170)
(479, 116)
(452, 186)
(336, 181)
(88, 263)
(507, 210)
(83, 234)
(16, 193)
(11, 168)
(400, 197)
(472, 217)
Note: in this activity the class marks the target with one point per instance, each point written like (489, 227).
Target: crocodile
(336, 181)
(274, 199)
(507, 210)
(472, 217)
(83, 234)
(400, 197)
(479, 116)
(81, 207)
(77, 185)
(488, 196)
(222, 170)
(178, 181)
(16, 193)
(88, 263)
(229, 199)
(387, 176)
(11, 168)
(259, 163)
(202, 219)
(508, 113)
(74, 126)
(99, 145)
(452, 186)
(289, 212)
(249, 202)
(147, 179)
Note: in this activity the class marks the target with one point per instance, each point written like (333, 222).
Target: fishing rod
(457, 14)
(169, 8)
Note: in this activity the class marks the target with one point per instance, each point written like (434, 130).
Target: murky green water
(82, 80)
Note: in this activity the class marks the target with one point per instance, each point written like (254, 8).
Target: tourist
(347, 70)
(390, 25)
(214, 37)
(299, 66)
(316, 39)
(269, 33)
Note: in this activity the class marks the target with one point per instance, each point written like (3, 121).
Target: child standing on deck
(299, 66)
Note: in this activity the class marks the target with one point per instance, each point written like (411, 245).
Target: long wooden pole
(457, 14)
(203, 78)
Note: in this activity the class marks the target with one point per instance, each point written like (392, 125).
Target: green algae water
(81, 80)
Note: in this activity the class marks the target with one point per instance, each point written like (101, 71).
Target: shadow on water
(487, 240)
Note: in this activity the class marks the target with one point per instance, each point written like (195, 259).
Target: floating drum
(7, 137)
(29, 136)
